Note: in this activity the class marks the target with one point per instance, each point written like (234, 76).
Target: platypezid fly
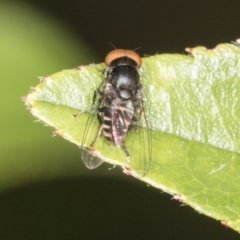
(118, 104)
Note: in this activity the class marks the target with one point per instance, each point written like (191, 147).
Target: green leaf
(194, 115)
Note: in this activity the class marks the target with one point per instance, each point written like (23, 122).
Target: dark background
(161, 26)
(121, 208)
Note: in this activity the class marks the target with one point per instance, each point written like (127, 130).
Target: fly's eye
(120, 53)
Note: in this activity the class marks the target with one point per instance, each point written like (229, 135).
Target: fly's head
(125, 55)
(122, 72)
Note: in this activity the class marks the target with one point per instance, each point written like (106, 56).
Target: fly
(118, 106)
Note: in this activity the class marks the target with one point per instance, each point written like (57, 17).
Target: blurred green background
(45, 190)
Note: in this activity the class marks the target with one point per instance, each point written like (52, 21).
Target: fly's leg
(81, 112)
(124, 148)
(100, 110)
(133, 123)
(96, 92)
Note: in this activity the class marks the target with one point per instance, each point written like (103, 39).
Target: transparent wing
(90, 158)
(88, 153)
(140, 143)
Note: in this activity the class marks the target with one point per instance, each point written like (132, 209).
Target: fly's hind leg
(124, 148)
(133, 123)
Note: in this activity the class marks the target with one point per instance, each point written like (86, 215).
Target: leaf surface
(194, 104)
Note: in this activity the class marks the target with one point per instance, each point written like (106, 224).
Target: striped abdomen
(117, 119)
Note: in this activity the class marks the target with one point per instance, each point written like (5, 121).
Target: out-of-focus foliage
(32, 44)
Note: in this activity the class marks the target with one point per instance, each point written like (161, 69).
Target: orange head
(118, 53)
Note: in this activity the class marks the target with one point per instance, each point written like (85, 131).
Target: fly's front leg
(81, 112)
(96, 92)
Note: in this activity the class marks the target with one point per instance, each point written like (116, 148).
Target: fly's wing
(141, 143)
(88, 154)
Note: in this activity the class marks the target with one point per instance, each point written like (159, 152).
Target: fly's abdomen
(107, 124)
(116, 123)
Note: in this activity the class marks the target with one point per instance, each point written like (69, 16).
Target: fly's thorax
(109, 92)
(139, 93)
(125, 79)
(125, 76)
